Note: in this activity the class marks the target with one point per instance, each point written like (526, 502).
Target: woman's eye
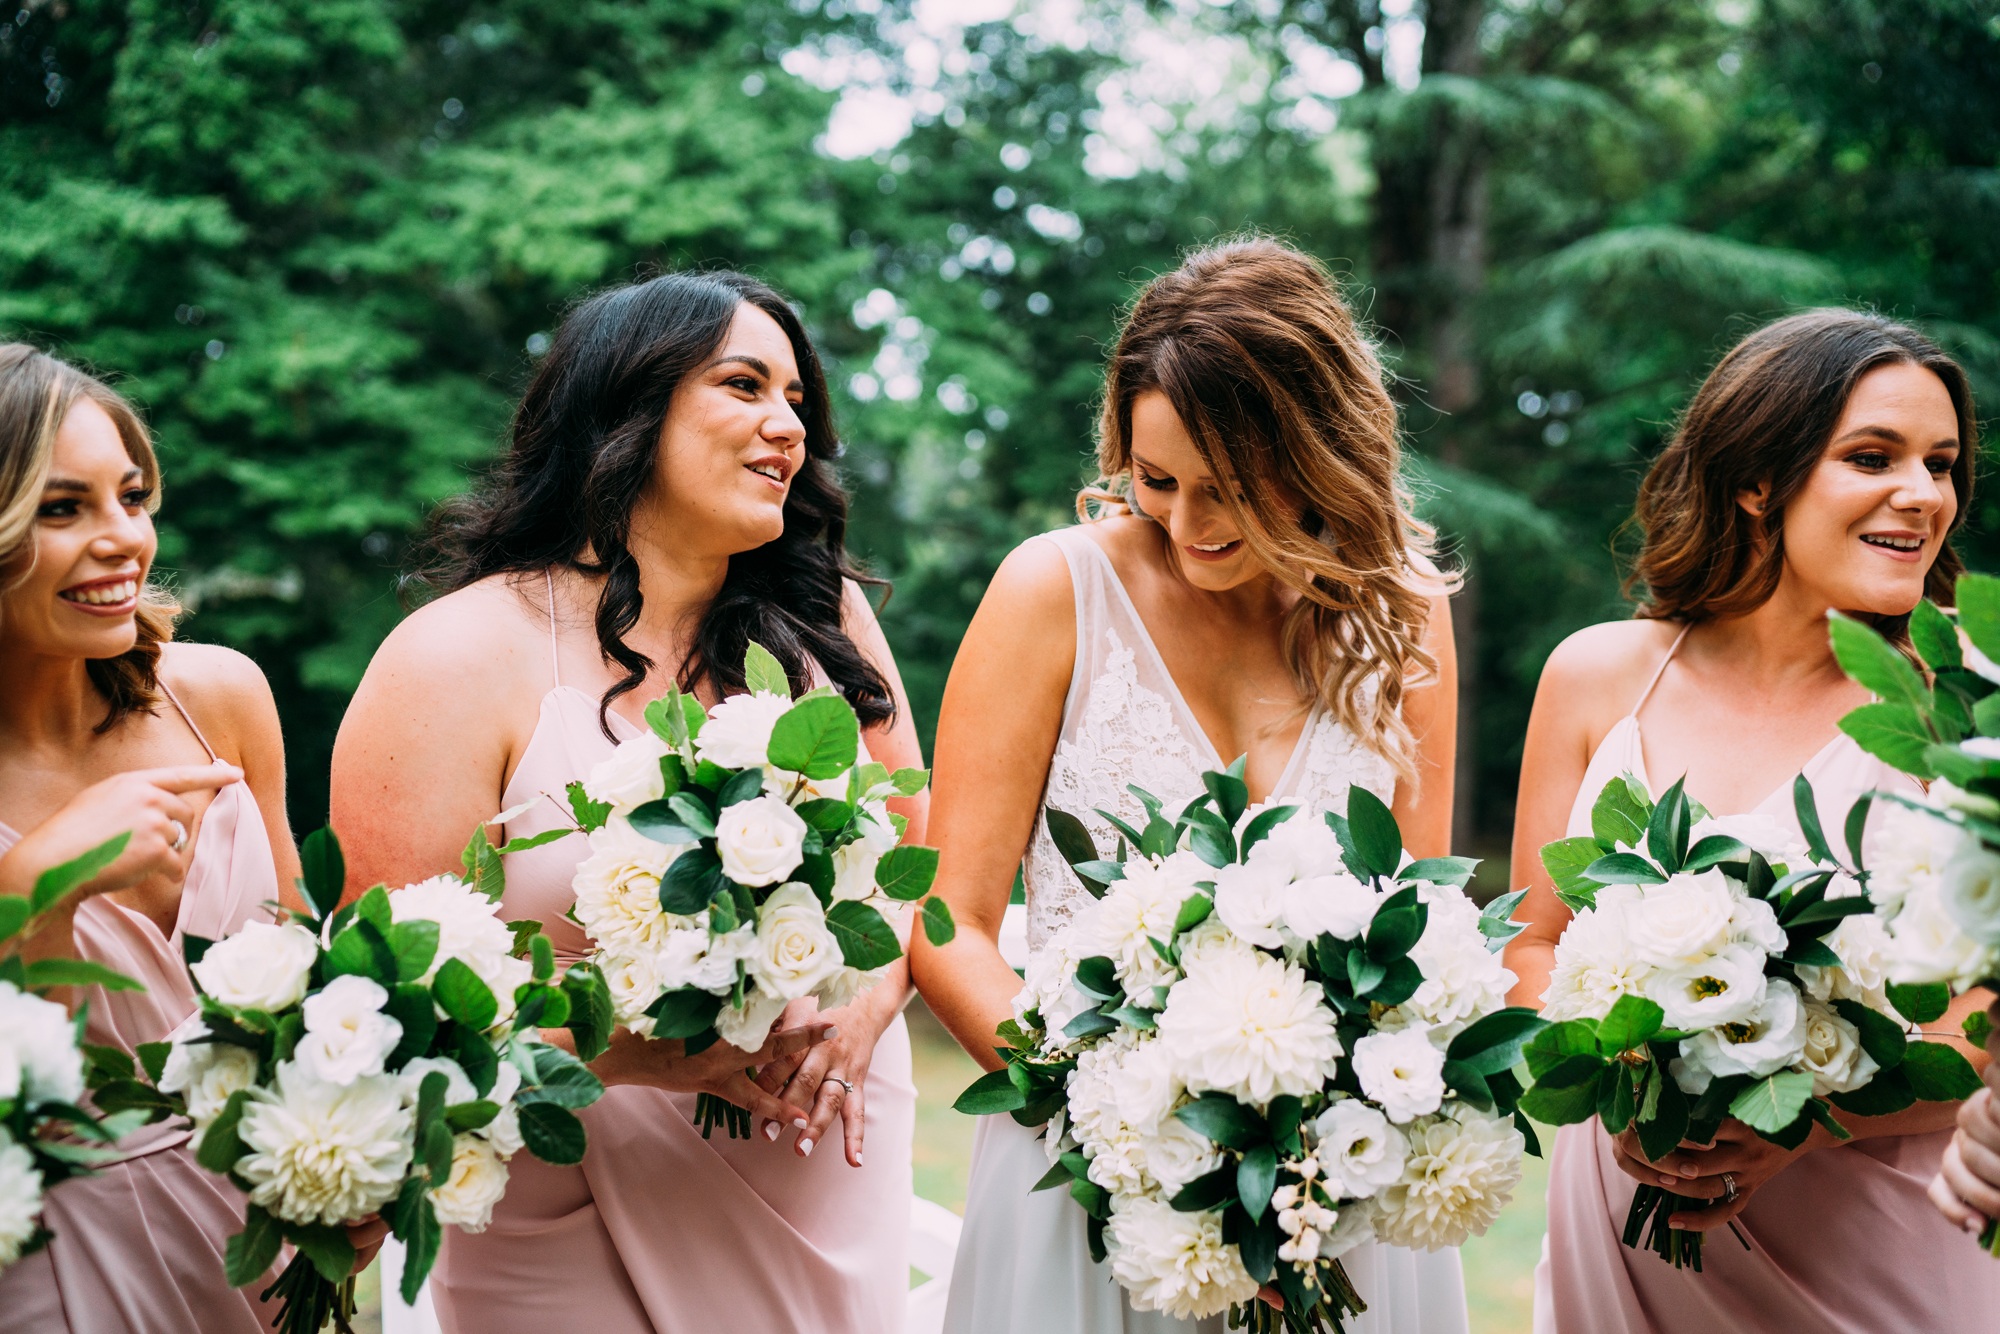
(137, 499)
(1939, 465)
(57, 509)
(743, 382)
(1873, 460)
(1156, 483)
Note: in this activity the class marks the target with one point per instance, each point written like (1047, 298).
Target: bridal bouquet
(1270, 1038)
(378, 1059)
(1720, 968)
(1934, 861)
(740, 859)
(45, 1066)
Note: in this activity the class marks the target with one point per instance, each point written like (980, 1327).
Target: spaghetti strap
(1658, 672)
(555, 658)
(188, 718)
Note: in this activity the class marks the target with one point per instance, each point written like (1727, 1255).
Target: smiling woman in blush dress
(1822, 466)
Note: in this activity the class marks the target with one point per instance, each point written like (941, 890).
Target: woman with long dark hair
(1823, 465)
(667, 496)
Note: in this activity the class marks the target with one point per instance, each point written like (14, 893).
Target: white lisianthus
(1685, 920)
(1755, 923)
(1926, 944)
(1250, 900)
(39, 1060)
(1725, 988)
(478, 1179)
(737, 734)
(1595, 961)
(20, 1199)
(629, 776)
(503, 1132)
(1462, 978)
(1175, 1262)
(263, 966)
(457, 1084)
(694, 958)
(746, 1028)
(1462, 1169)
(854, 865)
(761, 841)
(1138, 910)
(1971, 888)
(1863, 944)
(1907, 851)
(1833, 1052)
(795, 951)
(1353, 1226)
(1768, 1039)
(205, 1073)
(618, 889)
(1359, 1149)
(1336, 905)
(1250, 1025)
(325, 1153)
(1403, 1071)
(1298, 848)
(842, 985)
(1146, 1086)
(347, 1036)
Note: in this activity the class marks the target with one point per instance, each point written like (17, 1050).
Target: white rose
(795, 950)
(478, 1179)
(761, 841)
(634, 985)
(1353, 1225)
(1112, 1145)
(1684, 920)
(1336, 905)
(1907, 851)
(1863, 944)
(1404, 1072)
(1972, 892)
(694, 958)
(457, 1084)
(618, 889)
(263, 966)
(1462, 978)
(1833, 1052)
(347, 1036)
(1359, 1148)
(629, 776)
(1175, 1155)
(1461, 1170)
(1210, 937)
(20, 1199)
(1249, 1025)
(325, 1153)
(1765, 1041)
(1595, 962)
(1725, 988)
(1926, 944)
(842, 985)
(737, 734)
(1299, 848)
(747, 1027)
(39, 1060)
(1250, 900)
(1175, 1262)
(205, 1073)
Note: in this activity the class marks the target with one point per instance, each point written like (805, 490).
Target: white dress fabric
(1023, 1264)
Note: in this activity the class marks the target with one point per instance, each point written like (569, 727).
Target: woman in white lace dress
(1254, 584)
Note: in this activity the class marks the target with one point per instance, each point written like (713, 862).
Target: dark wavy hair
(582, 449)
(1765, 414)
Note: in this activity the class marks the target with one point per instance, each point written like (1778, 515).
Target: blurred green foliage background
(321, 241)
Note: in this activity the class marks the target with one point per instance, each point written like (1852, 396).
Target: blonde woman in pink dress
(1822, 466)
(668, 494)
(107, 728)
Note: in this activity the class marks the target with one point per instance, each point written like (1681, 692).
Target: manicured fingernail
(832, 1031)
(770, 1130)
(799, 1123)
(1689, 1171)
(1669, 1181)
(805, 1148)
(857, 1157)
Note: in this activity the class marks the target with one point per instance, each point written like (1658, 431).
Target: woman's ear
(1754, 499)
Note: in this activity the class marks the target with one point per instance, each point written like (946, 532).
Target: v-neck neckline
(1200, 733)
(1783, 789)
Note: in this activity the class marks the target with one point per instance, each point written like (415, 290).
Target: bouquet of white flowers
(378, 1059)
(46, 1067)
(740, 858)
(1720, 968)
(1271, 1038)
(1933, 865)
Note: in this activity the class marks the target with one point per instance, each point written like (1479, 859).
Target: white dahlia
(618, 889)
(325, 1153)
(39, 1060)
(1461, 1171)
(1595, 961)
(1175, 1262)
(1249, 1025)
(1138, 910)
(20, 1199)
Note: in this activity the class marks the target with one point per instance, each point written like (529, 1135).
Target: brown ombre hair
(1766, 414)
(37, 392)
(1283, 396)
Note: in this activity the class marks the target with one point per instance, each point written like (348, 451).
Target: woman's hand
(1697, 1170)
(821, 1078)
(663, 1063)
(150, 804)
(366, 1238)
(1967, 1187)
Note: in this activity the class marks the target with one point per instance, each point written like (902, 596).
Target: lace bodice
(1124, 722)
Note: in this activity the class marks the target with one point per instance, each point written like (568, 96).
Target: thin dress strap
(555, 658)
(1658, 672)
(188, 718)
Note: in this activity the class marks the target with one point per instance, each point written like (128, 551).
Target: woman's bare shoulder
(1607, 665)
(224, 691)
(486, 630)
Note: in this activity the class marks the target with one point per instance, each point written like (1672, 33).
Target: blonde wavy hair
(1283, 395)
(37, 392)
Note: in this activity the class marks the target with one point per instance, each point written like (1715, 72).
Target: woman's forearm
(971, 990)
(1532, 961)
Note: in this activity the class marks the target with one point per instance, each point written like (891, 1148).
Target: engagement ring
(180, 835)
(1729, 1188)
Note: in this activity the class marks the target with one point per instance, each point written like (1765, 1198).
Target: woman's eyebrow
(758, 365)
(77, 486)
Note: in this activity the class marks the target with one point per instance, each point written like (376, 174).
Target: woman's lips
(1222, 551)
(105, 597)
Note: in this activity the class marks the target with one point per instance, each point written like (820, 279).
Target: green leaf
(1089, 1024)
(590, 1011)
(1565, 860)
(1454, 871)
(1397, 926)
(906, 872)
(1661, 1132)
(1871, 660)
(323, 871)
(561, 1078)
(51, 885)
(590, 815)
(1806, 806)
(1978, 599)
(14, 914)
(741, 788)
(410, 1005)
(251, 1252)
(1562, 1106)
(866, 940)
(1262, 823)
(909, 782)
(483, 870)
(691, 881)
(1631, 1021)
(659, 821)
(1714, 851)
(463, 996)
(1560, 1041)
(153, 1058)
(693, 813)
(552, 1133)
(542, 958)
(1225, 1121)
(1624, 868)
(686, 1013)
(1617, 1103)
(1934, 636)
(1667, 830)
(362, 951)
(1978, 1028)
(1886, 1094)
(1256, 1178)
(1232, 796)
(532, 841)
(1213, 1191)
(1938, 1073)
(1881, 1037)
(1493, 1042)
(1194, 910)
(991, 1093)
(939, 928)
(415, 945)
(220, 1145)
(374, 907)
(1619, 816)
(816, 737)
(826, 814)
(1376, 836)
(416, 1224)
(762, 671)
(1920, 1003)
(326, 1246)
(1893, 733)
(1772, 1103)
(469, 1116)
(43, 973)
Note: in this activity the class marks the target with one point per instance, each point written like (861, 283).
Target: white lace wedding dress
(1023, 1266)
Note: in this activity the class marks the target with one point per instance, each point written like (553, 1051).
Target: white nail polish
(799, 1124)
(805, 1148)
(857, 1158)
(832, 1032)
(770, 1130)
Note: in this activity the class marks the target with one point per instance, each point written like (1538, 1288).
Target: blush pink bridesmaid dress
(1843, 1241)
(660, 1231)
(138, 1247)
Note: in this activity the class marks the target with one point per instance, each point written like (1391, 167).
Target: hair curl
(37, 392)
(1283, 396)
(1765, 414)
(583, 448)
